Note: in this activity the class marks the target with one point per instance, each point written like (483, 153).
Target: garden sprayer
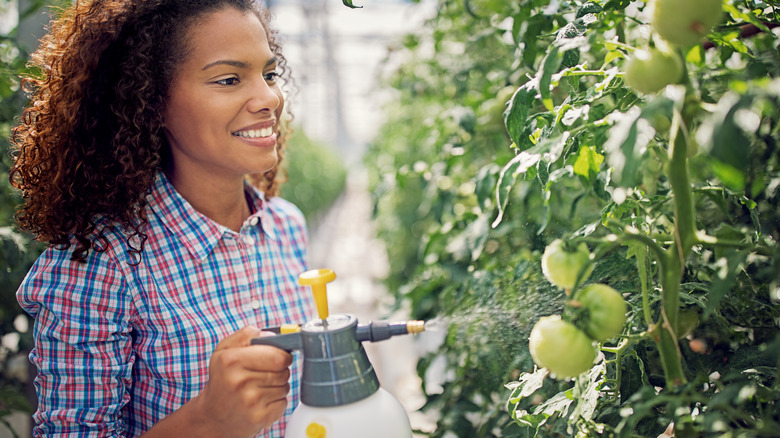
(340, 392)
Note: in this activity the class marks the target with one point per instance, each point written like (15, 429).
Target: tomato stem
(618, 352)
(666, 340)
(570, 72)
(685, 236)
(641, 263)
(684, 214)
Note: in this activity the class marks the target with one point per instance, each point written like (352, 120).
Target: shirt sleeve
(82, 344)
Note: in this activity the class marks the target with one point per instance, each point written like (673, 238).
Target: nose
(264, 97)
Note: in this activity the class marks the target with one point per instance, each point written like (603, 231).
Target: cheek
(187, 114)
(172, 121)
(176, 111)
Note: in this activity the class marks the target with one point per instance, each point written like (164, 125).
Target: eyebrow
(239, 64)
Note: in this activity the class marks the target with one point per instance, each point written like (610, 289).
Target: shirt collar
(260, 210)
(197, 233)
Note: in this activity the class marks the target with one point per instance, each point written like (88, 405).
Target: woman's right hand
(247, 387)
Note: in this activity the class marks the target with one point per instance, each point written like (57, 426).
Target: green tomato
(562, 265)
(560, 347)
(649, 71)
(685, 22)
(606, 311)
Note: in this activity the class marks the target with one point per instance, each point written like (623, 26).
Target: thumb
(240, 338)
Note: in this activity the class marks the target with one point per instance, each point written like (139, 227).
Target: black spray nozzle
(381, 330)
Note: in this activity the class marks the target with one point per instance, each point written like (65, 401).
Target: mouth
(255, 133)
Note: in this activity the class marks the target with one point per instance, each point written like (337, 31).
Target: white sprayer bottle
(340, 392)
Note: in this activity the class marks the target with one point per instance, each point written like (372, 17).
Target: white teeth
(255, 133)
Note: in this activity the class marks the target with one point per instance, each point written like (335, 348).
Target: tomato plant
(674, 191)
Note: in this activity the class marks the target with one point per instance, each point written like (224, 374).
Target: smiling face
(224, 105)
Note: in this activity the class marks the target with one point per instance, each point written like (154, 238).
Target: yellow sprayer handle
(317, 278)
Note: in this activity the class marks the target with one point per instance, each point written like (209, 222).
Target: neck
(224, 202)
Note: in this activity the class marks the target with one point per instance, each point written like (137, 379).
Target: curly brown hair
(89, 145)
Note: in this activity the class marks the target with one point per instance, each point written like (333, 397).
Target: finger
(265, 334)
(263, 397)
(276, 395)
(242, 366)
(240, 338)
(270, 408)
(263, 358)
(266, 379)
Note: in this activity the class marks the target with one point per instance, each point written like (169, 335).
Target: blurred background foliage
(316, 176)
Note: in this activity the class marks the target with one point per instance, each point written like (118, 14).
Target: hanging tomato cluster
(566, 348)
(677, 25)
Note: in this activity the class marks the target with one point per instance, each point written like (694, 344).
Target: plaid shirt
(119, 346)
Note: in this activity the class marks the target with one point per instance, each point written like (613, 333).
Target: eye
(227, 81)
(271, 76)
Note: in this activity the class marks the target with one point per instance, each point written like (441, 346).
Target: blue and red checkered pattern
(120, 345)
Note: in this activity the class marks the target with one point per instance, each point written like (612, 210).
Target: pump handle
(317, 278)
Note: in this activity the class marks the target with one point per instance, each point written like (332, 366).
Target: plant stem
(685, 237)
(684, 214)
(584, 73)
(641, 263)
(618, 352)
(666, 338)
(671, 276)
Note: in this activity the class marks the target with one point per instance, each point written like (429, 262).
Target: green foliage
(316, 175)
(513, 127)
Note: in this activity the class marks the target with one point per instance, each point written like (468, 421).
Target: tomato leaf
(634, 375)
(723, 136)
(527, 384)
(484, 183)
(588, 162)
(747, 16)
(559, 403)
(551, 65)
(630, 135)
(538, 157)
(598, 89)
(588, 8)
(726, 274)
(695, 55)
(506, 179)
(516, 114)
(626, 143)
(588, 397)
(731, 40)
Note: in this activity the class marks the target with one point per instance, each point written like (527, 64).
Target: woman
(146, 123)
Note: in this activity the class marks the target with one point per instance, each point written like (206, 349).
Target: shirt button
(255, 304)
(249, 240)
(254, 221)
